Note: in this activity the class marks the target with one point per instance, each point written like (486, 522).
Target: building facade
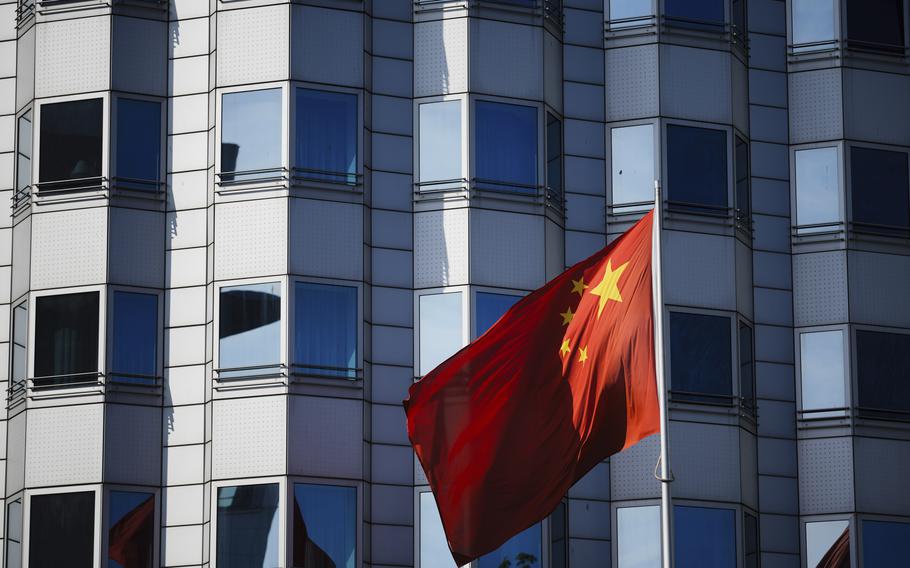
(238, 230)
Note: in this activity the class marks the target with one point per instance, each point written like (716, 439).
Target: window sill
(852, 236)
(835, 53)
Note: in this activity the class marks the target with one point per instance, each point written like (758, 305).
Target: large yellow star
(583, 354)
(608, 289)
(578, 286)
(564, 348)
(567, 316)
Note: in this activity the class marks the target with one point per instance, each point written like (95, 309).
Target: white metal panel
(64, 445)
(183, 505)
(249, 437)
(136, 247)
(132, 444)
(825, 475)
(878, 288)
(8, 19)
(22, 242)
(185, 306)
(440, 248)
(252, 45)
(252, 238)
(632, 471)
(188, 152)
(7, 131)
(506, 59)
(327, 239)
(440, 57)
(69, 248)
(183, 465)
(7, 95)
(631, 82)
(187, 228)
(328, 437)
(816, 105)
(73, 56)
(185, 267)
(182, 546)
(189, 113)
(699, 270)
(878, 109)
(7, 58)
(507, 249)
(6, 171)
(15, 454)
(185, 385)
(552, 71)
(25, 67)
(188, 37)
(187, 190)
(140, 55)
(184, 425)
(188, 75)
(695, 83)
(327, 46)
(556, 249)
(185, 345)
(819, 288)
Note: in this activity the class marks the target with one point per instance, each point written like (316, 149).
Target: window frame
(20, 196)
(285, 522)
(848, 188)
(159, 185)
(20, 497)
(848, 390)
(752, 410)
(466, 319)
(841, 187)
(289, 496)
(27, 516)
(16, 395)
(105, 517)
(734, 320)
(459, 184)
(159, 324)
(656, 162)
(693, 209)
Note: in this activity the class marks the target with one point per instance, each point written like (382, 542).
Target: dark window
(738, 17)
(700, 359)
(489, 308)
(522, 550)
(697, 14)
(14, 533)
(61, 530)
(883, 369)
(885, 543)
(554, 157)
(697, 168)
(247, 531)
(325, 526)
(741, 171)
(138, 156)
(325, 330)
(131, 530)
(705, 538)
(251, 135)
(750, 541)
(505, 147)
(135, 338)
(326, 136)
(71, 141)
(20, 341)
(876, 24)
(249, 330)
(880, 190)
(559, 537)
(66, 339)
(746, 368)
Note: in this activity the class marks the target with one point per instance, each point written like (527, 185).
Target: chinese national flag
(563, 380)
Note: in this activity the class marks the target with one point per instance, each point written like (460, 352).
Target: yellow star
(567, 316)
(583, 354)
(564, 348)
(608, 289)
(578, 286)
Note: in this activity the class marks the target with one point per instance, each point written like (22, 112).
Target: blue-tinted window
(626, 13)
(554, 157)
(876, 25)
(882, 366)
(699, 14)
(138, 157)
(704, 538)
(440, 145)
(62, 530)
(489, 308)
(828, 542)
(813, 23)
(697, 168)
(135, 338)
(325, 526)
(248, 525)
(880, 190)
(632, 164)
(700, 358)
(71, 142)
(750, 541)
(559, 537)
(441, 331)
(505, 147)
(817, 189)
(131, 530)
(249, 338)
(326, 132)
(325, 330)
(434, 550)
(885, 543)
(66, 339)
(521, 551)
(250, 135)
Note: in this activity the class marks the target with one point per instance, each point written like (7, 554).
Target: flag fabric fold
(562, 381)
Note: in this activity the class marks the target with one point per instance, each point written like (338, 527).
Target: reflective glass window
(559, 537)
(434, 550)
(440, 145)
(876, 24)
(697, 168)
(883, 365)
(248, 525)
(821, 369)
(699, 14)
(632, 164)
(750, 541)
(325, 526)
(71, 143)
(522, 551)
(817, 181)
(638, 533)
(741, 171)
(138, 157)
(62, 530)
(489, 308)
(746, 367)
(14, 533)
(325, 329)
(66, 338)
(554, 156)
(250, 328)
(131, 530)
(441, 331)
(880, 189)
(704, 538)
(135, 338)
(625, 13)
(827, 540)
(250, 134)
(505, 146)
(20, 348)
(813, 21)
(326, 145)
(24, 152)
(700, 358)
(885, 543)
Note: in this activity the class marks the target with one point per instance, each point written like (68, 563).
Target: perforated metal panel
(327, 46)
(816, 111)
(819, 288)
(327, 239)
(73, 56)
(132, 444)
(507, 249)
(140, 55)
(631, 82)
(251, 238)
(632, 471)
(249, 437)
(440, 57)
(136, 247)
(881, 476)
(706, 461)
(327, 437)
(440, 248)
(878, 109)
(69, 248)
(506, 59)
(825, 475)
(253, 45)
(878, 288)
(699, 270)
(64, 445)
(695, 83)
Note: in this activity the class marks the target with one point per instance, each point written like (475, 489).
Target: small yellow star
(564, 348)
(583, 354)
(578, 286)
(567, 316)
(608, 289)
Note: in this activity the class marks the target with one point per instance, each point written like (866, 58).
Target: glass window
(638, 533)
(750, 541)
(813, 22)
(632, 157)
(434, 550)
(441, 332)
(700, 359)
(138, 144)
(71, 142)
(62, 530)
(741, 172)
(697, 168)
(249, 339)
(876, 24)
(827, 538)
(489, 308)
(625, 13)
(14, 533)
(440, 145)
(522, 551)
(325, 526)
(704, 538)
(248, 524)
(250, 135)
(559, 537)
(697, 14)
(131, 530)
(880, 189)
(821, 371)
(746, 367)
(325, 330)
(505, 147)
(24, 152)
(135, 338)
(885, 543)
(326, 145)
(883, 365)
(66, 339)
(817, 182)
(554, 157)
(20, 349)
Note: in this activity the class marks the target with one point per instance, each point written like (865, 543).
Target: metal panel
(15, 453)
(825, 475)
(184, 425)
(392, 77)
(136, 247)
(183, 505)
(440, 248)
(392, 465)
(132, 444)
(773, 306)
(252, 45)
(185, 345)
(440, 57)
(878, 288)
(587, 553)
(328, 437)
(392, 545)
(64, 445)
(584, 101)
(189, 113)
(25, 68)
(252, 238)
(73, 56)
(632, 82)
(748, 476)
(392, 504)
(188, 37)
(185, 267)
(22, 242)
(594, 485)
(506, 59)
(777, 457)
(140, 56)
(393, 39)
(181, 545)
(706, 461)
(188, 75)
(816, 111)
(740, 87)
(188, 152)
(585, 175)
(327, 46)
(392, 345)
(249, 437)
(555, 249)
(326, 239)
(589, 519)
(187, 190)
(881, 476)
(779, 533)
(583, 64)
(392, 153)
(585, 212)
(392, 267)
(183, 465)
(552, 71)
(584, 138)
(744, 296)
(69, 248)
(187, 228)
(699, 270)
(819, 288)
(779, 494)
(877, 106)
(632, 471)
(695, 84)
(507, 249)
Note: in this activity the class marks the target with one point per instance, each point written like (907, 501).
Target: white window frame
(27, 516)
(465, 145)
(162, 137)
(283, 519)
(159, 329)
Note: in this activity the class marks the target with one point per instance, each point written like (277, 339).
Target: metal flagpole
(665, 476)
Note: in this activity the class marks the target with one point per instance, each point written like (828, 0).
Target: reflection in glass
(885, 543)
(821, 371)
(135, 338)
(489, 308)
(138, 143)
(434, 550)
(250, 134)
(697, 167)
(440, 144)
(883, 364)
(131, 530)
(522, 551)
(441, 332)
(248, 524)
(62, 530)
(625, 13)
(559, 537)
(66, 338)
(750, 540)
(746, 367)
(813, 21)
(250, 329)
(741, 173)
(705, 538)
(638, 532)
(325, 526)
(71, 140)
(20, 340)
(880, 189)
(823, 537)
(325, 329)
(697, 14)
(554, 156)
(24, 152)
(876, 24)
(816, 187)
(326, 136)
(700, 359)
(505, 146)
(14, 533)
(632, 164)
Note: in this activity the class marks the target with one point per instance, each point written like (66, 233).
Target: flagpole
(666, 477)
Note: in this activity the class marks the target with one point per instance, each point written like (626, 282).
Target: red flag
(563, 380)
(131, 539)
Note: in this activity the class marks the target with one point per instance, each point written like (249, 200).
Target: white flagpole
(665, 478)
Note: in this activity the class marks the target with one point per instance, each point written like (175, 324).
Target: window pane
(505, 146)
(628, 10)
(638, 532)
(554, 156)
(692, 12)
(14, 533)
(135, 338)
(817, 183)
(250, 133)
(248, 524)
(61, 530)
(883, 365)
(440, 143)
(325, 526)
(440, 329)
(559, 537)
(24, 152)
(813, 21)
(66, 338)
(700, 359)
(880, 188)
(327, 136)
(20, 340)
(522, 550)
(741, 171)
(138, 143)
(821, 367)
(746, 367)
(697, 167)
(325, 329)
(250, 328)
(434, 551)
(704, 538)
(885, 543)
(71, 141)
(750, 540)
(876, 24)
(822, 538)
(489, 308)
(131, 530)
(632, 151)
